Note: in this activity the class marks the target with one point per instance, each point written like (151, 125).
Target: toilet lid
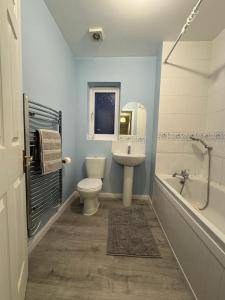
(90, 184)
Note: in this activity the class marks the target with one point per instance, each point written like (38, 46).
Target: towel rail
(44, 192)
(41, 105)
(42, 110)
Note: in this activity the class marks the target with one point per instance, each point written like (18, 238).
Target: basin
(129, 161)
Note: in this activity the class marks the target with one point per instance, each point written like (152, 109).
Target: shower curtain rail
(190, 19)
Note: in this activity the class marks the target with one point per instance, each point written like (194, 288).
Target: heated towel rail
(43, 192)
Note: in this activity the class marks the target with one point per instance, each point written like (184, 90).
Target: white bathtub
(197, 238)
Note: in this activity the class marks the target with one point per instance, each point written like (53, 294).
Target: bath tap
(184, 174)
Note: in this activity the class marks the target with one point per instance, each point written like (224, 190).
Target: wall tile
(192, 102)
(216, 169)
(222, 181)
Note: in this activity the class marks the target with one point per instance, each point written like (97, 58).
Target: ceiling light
(96, 33)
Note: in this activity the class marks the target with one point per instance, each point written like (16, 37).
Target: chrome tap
(183, 174)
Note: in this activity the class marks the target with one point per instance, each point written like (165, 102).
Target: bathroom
(112, 141)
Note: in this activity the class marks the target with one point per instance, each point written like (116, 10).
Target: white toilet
(89, 188)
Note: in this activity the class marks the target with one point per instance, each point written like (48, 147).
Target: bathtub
(196, 237)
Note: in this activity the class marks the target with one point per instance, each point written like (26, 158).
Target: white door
(13, 238)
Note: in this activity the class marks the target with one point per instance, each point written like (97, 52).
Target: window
(103, 113)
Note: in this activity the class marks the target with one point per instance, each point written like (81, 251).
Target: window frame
(103, 137)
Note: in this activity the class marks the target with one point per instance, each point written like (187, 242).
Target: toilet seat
(90, 184)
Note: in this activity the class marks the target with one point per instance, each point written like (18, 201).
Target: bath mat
(129, 234)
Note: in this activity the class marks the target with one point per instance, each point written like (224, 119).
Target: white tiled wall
(215, 114)
(183, 104)
(192, 100)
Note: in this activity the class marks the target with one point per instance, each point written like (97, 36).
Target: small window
(103, 113)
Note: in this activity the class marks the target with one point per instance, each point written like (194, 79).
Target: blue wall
(49, 74)
(52, 76)
(138, 83)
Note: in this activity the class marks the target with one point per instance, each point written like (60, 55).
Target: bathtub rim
(212, 237)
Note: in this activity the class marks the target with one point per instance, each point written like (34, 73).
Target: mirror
(133, 119)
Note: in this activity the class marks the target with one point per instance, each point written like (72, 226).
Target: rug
(129, 234)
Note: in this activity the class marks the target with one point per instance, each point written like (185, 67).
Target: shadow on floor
(76, 206)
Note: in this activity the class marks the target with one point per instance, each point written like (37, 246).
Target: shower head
(201, 141)
(194, 139)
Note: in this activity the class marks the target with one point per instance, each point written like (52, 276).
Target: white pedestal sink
(129, 161)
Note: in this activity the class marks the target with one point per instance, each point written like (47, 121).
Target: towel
(50, 150)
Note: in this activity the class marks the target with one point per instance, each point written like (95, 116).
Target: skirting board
(39, 236)
(119, 196)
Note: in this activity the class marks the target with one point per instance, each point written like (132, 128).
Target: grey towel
(50, 150)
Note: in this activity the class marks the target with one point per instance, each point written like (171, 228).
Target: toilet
(89, 188)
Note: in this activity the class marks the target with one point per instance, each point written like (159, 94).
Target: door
(13, 240)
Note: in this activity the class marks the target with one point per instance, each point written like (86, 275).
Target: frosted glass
(104, 113)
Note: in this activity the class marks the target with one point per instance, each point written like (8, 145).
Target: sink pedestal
(127, 185)
(129, 161)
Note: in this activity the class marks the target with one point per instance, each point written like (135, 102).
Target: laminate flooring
(70, 263)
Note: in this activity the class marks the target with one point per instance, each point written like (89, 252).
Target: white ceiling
(133, 27)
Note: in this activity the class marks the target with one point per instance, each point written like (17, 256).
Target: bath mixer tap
(184, 174)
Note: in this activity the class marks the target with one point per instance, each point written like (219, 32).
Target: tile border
(184, 136)
(132, 138)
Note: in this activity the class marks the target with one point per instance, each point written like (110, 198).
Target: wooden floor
(70, 263)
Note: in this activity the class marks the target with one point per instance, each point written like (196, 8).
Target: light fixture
(122, 120)
(96, 33)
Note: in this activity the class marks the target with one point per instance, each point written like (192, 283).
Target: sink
(129, 161)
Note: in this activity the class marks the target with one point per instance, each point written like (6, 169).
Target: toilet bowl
(89, 188)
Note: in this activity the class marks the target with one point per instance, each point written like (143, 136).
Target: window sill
(102, 137)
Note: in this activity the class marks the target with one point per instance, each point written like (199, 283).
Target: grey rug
(129, 234)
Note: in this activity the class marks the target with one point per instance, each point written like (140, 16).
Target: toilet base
(90, 206)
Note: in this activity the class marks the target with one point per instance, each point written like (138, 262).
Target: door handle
(26, 161)
(28, 158)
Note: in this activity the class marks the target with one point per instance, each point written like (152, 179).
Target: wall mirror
(133, 117)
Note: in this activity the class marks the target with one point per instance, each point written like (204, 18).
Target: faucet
(129, 149)
(184, 174)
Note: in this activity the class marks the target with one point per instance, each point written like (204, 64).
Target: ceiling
(133, 27)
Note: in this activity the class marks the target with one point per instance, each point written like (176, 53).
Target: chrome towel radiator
(43, 192)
